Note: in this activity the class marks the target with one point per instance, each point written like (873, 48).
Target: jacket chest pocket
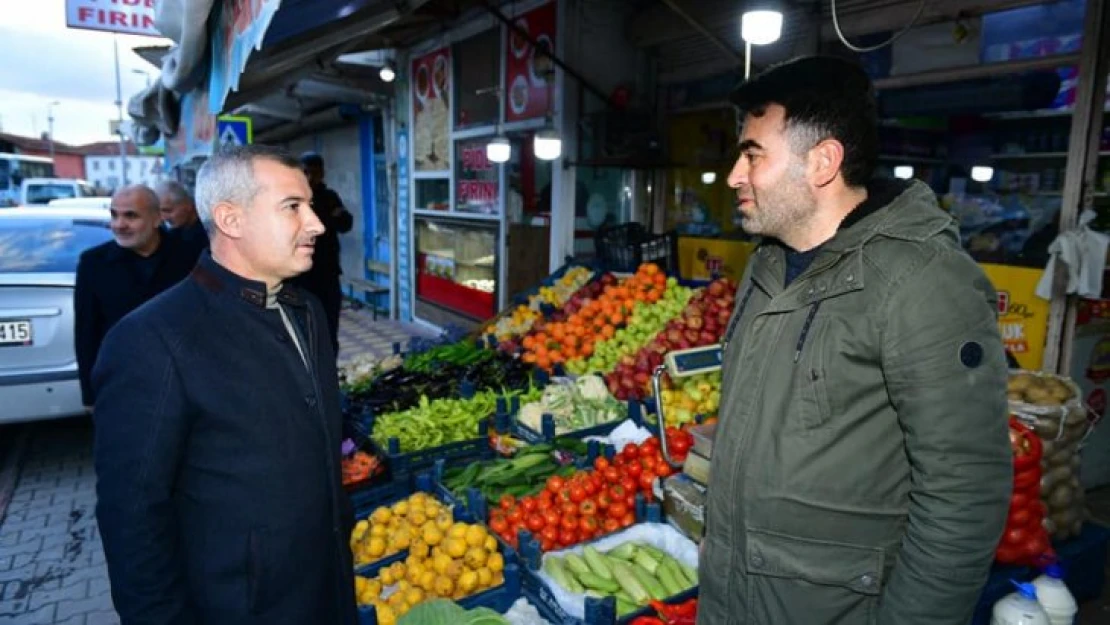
(792, 579)
(811, 375)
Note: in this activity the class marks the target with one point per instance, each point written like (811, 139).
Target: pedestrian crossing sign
(234, 130)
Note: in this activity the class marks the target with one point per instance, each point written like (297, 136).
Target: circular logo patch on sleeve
(971, 354)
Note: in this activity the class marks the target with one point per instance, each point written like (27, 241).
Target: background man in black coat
(179, 213)
(116, 277)
(323, 279)
(218, 428)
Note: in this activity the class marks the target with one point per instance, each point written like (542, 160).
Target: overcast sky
(42, 61)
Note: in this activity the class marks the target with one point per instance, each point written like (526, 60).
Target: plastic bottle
(1054, 596)
(1020, 608)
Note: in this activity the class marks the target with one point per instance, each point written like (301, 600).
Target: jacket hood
(894, 209)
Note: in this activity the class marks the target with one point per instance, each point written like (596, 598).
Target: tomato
(646, 481)
(551, 532)
(499, 525)
(588, 526)
(529, 504)
(1036, 545)
(604, 500)
(629, 483)
(569, 508)
(663, 470)
(597, 480)
(535, 522)
(630, 449)
(612, 475)
(516, 515)
(551, 517)
(634, 470)
(680, 446)
(1015, 536)
(611, 525)
(548, 545)
(568, 537)
(587, 508)
(601, 463)
(569, 522)
(1019, 500)
(630, 501)
(618, 492)
(577, 494)
(544, 504)
(1019, 517)
(507, 502)
(555, 483)
(629, 519)
(591, 487)
(617, 511)
(649, 448)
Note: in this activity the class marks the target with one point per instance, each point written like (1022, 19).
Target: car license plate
(15, 333)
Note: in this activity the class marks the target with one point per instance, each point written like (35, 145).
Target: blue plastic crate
(527, 434)
(412, 462)
(597, 611)
(498, 599)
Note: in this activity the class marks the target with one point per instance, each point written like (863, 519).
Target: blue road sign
(234, 130)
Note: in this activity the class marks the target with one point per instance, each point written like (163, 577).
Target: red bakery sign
(529, 74)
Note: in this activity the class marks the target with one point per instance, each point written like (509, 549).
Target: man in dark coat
(218, 428)
(118, 276)
(323, 279)
(179, 213)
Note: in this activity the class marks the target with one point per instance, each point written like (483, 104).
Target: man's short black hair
(824, 98)
(311, 159)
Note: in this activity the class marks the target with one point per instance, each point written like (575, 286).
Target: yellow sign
(1022, 316)
(701, 259)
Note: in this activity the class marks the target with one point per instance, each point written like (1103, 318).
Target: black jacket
(111, 283)
(220, 497)
(325, 272)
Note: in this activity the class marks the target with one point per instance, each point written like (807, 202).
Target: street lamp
(50, 126)
(760, 25)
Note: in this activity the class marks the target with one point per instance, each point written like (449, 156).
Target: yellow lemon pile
(449, 563)
(392, 529)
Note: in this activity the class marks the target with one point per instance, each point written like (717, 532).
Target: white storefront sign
(129, 17)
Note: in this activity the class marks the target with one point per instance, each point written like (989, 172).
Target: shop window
(456, 265)
(433, 195)
(476, 179)
(477, 65)
(529, 183)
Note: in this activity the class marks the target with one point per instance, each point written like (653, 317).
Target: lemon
(476, 535)
(382, 515)
(360, 584)
(387, 577)
(498, 579)
(398, 570)
(374, 587)
(468, 582)
(444, 521)
(428, 580)
(377, 530)
(376, 547)
(414, 596)
(386, 615)
(360, 528)
(444, 587)
(401, 508)
(413, 574)
(455, 547)
(432, 535)
(441, 562)
(419, 548)
(476, 557)
(491, 544)
(458, 530)
(417, 517)
(455, 569)
(496, 563)
(485, 577)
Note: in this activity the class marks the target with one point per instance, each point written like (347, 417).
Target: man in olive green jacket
(861, 469)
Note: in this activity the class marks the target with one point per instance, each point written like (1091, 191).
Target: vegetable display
(685, 613)
(574, 405)
(1024, 540)
(635, 573)
(525, 474)
(436, 423)
(691, 396)
(520, 320)
(391, 529)
(444, 612)
(450, 563)
(359, 466)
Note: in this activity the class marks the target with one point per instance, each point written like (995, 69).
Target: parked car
(40, 191)
(81, 202)
(39, 249)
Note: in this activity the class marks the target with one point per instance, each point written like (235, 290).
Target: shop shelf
(455, 296)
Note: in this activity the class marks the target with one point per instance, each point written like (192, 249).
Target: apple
(627, 361)
(642, 379)
(695, 322)
(707, 338)
(674, 336)
(691, 335)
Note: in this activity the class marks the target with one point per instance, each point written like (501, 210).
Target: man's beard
(782, 208)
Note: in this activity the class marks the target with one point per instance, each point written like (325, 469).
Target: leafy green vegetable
(445, 612)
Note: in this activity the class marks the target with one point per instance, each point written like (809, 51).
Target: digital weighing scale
(683, 494)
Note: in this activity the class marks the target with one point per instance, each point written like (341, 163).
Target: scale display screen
(692, 361)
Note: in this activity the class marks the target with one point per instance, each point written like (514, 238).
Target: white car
(39, 249)
(81, 202)
(40, 191)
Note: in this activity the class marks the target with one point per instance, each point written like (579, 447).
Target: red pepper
(687, 608)
(646, 620)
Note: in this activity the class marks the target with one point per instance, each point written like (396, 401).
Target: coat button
(757, 561)
(850, 278)
(867, 580)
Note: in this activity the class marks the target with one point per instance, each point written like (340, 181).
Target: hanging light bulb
(547, 145)
(499, 150)
(761, 24)
(387, 73)
(904, 172)
(982, 173)
(709, 177)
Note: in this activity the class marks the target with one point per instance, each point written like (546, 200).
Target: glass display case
(456, 265)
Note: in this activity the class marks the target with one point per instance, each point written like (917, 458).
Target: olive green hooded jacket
(861, 471)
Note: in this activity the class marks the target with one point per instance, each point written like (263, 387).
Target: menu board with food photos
(431, 106)
(530, 75)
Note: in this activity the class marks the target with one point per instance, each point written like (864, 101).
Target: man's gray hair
(228, 176)
(174, 190)
(146, 196)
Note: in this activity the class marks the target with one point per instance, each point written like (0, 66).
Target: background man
(220, 497)
(323, 279)
(116, 277)
(861, 470)
(179, 212)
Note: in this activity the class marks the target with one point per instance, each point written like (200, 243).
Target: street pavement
(52, 569)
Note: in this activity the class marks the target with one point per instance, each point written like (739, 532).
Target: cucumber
(553, 566)
(576, 564)
(625, 607)
(629, 582)
(652, 585)
(645, 561)
(595, 582)
(690, 574)
(671, 578)
(627, 551)
(598, 564)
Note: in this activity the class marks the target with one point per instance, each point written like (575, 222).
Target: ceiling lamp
(499, 150)
(982, 173)
(387, 73)
(761, 24)
(903, 172)
(709, 177)
(546, 145)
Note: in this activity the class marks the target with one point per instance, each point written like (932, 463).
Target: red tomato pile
(1025, 540)
(585, 505)
(679, 443)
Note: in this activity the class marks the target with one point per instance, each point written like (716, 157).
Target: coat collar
(216, 278)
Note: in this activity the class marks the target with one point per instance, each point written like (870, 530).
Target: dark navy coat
(217, 458)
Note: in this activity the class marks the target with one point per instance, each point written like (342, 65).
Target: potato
(1015, 396)
(1041, 396)
(1059, 389)
(1018, 383)
(1060, 498)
